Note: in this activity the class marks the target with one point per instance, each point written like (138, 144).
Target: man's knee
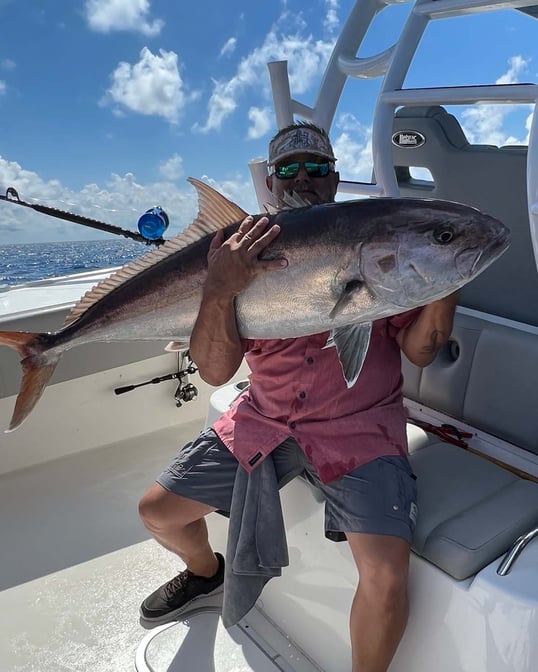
(160, 509)
(383, 565)
(386, 583)
(151, 506)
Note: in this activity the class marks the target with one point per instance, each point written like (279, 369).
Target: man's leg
(178, 524)
(200, 480)
(375, 506)
(380, 606)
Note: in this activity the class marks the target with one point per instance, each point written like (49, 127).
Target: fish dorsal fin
(294, 200)
(271, 209)
(286, 202)
(215, 212)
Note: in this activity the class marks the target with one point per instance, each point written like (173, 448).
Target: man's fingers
(262, 240)
(249, 231)
(261, 243)
(217, 240)
(245, 226)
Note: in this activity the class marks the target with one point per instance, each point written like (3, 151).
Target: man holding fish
(346, 437)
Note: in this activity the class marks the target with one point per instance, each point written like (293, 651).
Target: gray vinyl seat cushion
(470, 510)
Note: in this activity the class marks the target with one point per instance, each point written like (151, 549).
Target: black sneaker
(176, 596)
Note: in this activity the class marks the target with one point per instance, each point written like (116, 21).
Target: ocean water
(36, 261)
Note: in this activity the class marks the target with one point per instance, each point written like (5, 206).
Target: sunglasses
(313, 169)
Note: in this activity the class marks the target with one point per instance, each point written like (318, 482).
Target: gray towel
(257, 548)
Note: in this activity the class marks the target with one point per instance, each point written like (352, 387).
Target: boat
(75, 561)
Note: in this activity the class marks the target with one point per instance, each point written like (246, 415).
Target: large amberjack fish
(348, 263)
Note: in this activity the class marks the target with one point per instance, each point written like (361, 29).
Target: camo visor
(300, 140)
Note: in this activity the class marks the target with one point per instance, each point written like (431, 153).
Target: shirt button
(292, 425)
(302, 395)
(309, 360)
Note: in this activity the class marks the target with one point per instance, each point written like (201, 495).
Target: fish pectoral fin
(351, 288)
(351, 344)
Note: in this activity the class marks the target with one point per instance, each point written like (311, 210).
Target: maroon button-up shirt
(297, 389)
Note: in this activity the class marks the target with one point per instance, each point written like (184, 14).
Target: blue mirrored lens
(313, 169)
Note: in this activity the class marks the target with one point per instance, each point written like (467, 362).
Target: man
(350, 443)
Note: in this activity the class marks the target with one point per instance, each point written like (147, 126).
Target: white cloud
(238, 190)
(172, 169)
(353, 149)
(331, 22)
(262, 121)
(153, 86)
(2, 87)
(307, 58)
(107, 15)
(229, 47)
(528, 124)
(8, 64)
(221, 104)
(484, 124)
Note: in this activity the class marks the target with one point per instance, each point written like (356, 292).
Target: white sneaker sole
(194, 604)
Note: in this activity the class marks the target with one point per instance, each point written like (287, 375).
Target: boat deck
(75, 563)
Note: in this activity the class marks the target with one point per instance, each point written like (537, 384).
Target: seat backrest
(489, 178)
(485, 376)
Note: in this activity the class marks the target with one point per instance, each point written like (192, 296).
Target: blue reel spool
(153, 223)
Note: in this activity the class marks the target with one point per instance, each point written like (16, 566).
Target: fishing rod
(185, 391)
(151, 225)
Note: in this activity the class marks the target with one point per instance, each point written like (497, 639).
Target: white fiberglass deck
(75, 563)
(53, 293)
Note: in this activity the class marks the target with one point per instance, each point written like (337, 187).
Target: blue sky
(107, 106)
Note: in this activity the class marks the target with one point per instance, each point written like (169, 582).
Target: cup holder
(241, 386)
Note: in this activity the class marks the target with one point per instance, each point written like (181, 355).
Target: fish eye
(444, 234)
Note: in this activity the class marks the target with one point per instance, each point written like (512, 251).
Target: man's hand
(232, 264)
(422, 339)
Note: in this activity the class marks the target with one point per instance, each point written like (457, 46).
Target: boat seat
(471, 510)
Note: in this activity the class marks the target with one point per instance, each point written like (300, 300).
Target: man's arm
(421, 340)
(215, 344)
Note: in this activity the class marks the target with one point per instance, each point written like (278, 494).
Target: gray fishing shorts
(376, 498)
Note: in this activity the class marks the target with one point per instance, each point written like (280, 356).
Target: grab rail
(515, 551)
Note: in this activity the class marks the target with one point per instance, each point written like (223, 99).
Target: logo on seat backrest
(408, 139)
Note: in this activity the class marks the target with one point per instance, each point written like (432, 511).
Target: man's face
(315, 190)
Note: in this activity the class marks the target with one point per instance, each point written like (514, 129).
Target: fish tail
(36, 372)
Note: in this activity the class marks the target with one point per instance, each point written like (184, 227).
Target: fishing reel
(185, 391)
